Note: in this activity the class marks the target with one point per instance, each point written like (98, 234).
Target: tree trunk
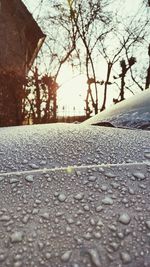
(38, 102)
(148, 72)
(122, 86)
(109, 67)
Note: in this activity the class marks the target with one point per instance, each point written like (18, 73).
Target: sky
(72, 91)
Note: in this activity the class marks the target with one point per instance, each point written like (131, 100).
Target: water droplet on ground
(29, 178)
(26, 218)
(86, 207)
(107, 201)
(1, 179)
(92, 178)
(114, 246)
(99, 208)
(124, 218)
(79, 196)
(147, 155)
(34, 166)
(147, 224)
(47, 255)
(16, 237)
(13, 181)
(3, 256)
(97, 235)
(43, 162)
(125, 257)
(5, 218)
(109, 174)
(45, 215)
(139, 175)
(94, 256)
(87, 236)
(61, 197)
(66, 256)
(25, 161)
(18, 264)
(104, 187)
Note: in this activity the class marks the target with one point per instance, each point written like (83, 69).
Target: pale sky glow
(73, 86)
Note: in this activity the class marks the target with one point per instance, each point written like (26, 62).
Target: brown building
(20, 40)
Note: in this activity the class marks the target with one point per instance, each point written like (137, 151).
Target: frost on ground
(61, 218)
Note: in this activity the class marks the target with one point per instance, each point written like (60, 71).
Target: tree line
(95, 38)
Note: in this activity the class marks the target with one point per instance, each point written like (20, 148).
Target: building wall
(12, 41)
(12, 66)
(11, 93)
(20, 41)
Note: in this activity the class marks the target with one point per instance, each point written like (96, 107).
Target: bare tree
(57, 50)
(91, 22)
(124, 69)
(82, 33)
(40, 104)
(126, 43)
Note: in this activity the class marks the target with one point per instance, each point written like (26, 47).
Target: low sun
(72, 91)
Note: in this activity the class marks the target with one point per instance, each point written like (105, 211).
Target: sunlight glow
(72, 92)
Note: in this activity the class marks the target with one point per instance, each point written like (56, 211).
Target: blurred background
(65, 61)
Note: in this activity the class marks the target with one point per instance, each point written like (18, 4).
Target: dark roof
(24, 20)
